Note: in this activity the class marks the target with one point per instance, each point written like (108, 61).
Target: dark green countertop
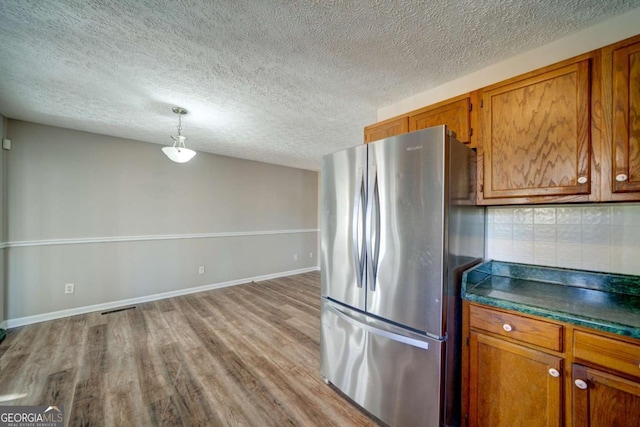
(608, 302)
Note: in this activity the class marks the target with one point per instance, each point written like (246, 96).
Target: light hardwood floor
(246, 355)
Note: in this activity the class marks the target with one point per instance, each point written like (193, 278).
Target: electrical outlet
(69, 288)
(295, 257)
(201, 269)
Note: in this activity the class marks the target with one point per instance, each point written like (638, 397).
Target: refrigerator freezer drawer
(396, 377)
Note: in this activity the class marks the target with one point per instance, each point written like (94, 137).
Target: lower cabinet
(522, 370)
(604, 392)
(511, 385)
(602, 399)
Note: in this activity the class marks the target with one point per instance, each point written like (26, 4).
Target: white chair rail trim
(77, 241)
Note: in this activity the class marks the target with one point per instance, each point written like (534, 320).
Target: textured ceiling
(283, 82)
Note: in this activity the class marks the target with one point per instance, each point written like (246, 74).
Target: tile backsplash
(596, 237)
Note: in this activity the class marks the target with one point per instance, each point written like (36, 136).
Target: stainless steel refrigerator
(399, 225)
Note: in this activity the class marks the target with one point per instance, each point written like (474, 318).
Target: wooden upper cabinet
(626, 120)
(453, 114)
(536, 143)
(569, 132)
(385, 129)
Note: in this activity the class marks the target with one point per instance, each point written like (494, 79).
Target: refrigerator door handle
(376, 240)
(424, 344)
(358, 227)
(372, 228)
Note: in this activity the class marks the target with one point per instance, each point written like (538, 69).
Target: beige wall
(119, 220)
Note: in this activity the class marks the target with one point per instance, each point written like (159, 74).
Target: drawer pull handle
(582, 385)
(554, 372)
(621, 177)
(582, 180)
(507, 327)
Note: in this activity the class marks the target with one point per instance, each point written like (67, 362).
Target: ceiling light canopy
(179, 153)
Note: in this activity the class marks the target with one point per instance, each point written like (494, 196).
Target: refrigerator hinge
(436, 337)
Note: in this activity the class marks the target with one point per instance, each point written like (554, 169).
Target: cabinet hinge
(482, 188)
(466, 419)
(482, 103)
(467, 341)
(470, 131)
(470, 106)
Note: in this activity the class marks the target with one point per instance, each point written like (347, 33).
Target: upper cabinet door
(626, 120)
(453, 114)
(536, 137)
(385, 129)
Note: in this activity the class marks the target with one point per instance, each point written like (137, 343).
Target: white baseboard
(22, 321)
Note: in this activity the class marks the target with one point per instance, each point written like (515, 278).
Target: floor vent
(118, 309)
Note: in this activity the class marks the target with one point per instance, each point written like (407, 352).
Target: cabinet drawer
(532, 331)
(607, 352)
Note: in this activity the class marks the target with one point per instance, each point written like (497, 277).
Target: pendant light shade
(179, 153)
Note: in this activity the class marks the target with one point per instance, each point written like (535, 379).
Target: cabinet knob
(582, 385)
(582, 180)
(554, 372)
(507, 327)
(621, 177)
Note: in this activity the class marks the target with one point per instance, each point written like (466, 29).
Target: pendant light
(179, 153)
